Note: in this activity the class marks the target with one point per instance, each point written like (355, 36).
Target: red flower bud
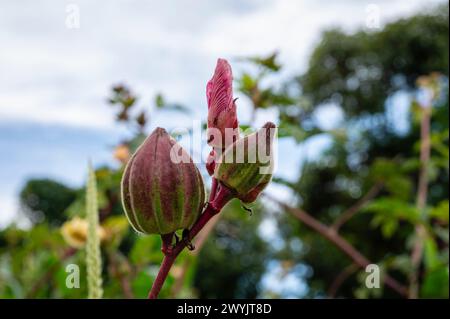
(160, 195)
(246, 166)
(221, 107)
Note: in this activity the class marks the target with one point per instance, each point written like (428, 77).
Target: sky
(58, 61)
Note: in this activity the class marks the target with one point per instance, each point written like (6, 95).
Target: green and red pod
(246, 166)
(162, 189)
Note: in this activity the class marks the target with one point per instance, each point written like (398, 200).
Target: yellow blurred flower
(122, 153)
(75, 232)
(176, 271)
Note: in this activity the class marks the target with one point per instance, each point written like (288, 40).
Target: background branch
(330, 234)
(341, 278)
(349, 213)
(422, 192)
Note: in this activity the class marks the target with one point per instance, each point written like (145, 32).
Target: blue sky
(54, 80)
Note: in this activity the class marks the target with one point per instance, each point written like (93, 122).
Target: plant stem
(214, 183)
(341, 278)
(199, 241)
(349, 213)
(340, 242)
(164, 269)
(422, 193)
(93, 253)
(222, 197)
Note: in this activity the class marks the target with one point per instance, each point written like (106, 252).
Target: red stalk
(222, 196)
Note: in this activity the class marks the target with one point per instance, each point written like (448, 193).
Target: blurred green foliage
(45, 199)
(236, 255)
(357, 73)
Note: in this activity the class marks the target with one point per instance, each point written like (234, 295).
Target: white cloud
(53, 75)
(293, 27)
(8, 209)
(49, 73)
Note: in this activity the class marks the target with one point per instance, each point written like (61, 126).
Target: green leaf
(268, 63)
(392, 207)
(431, 254)
(440, 212)
(141, 284)
(399, 186)
(436, 283)
(389, 227)
(292, 130)
(146, 250)
(159, 101)
(439, 143)
(389, 211)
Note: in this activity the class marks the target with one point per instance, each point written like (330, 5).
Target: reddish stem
(166, 243)
(162, 275)
(223, 196)
(422, 193)
(214, 184)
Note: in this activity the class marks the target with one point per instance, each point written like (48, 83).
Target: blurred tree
(232, 262)
(358, 73)
(45, 199)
